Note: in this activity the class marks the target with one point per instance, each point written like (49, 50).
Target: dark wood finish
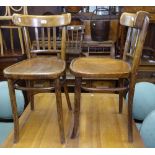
(121, 84)
(40, 67)
(109, 68)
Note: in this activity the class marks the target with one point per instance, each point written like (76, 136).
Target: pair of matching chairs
(38, 67)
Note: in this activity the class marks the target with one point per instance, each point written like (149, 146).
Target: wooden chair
(8, 25)
(74, 38)
(75, 34)
(114, 69)
(40, 67)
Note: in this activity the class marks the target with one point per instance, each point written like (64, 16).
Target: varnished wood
(40, 67)
(59, 109)
(99, 67)
(108, 68)
(14, 110)
(42, 21)
(35, 68)
(101, 126)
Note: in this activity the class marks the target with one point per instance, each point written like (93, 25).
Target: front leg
(14, 110)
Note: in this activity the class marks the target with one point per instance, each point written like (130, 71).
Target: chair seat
(99, 67)
(36, 68)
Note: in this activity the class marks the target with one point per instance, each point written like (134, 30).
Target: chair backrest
(43, 28)
(75, 35)
(137, 29)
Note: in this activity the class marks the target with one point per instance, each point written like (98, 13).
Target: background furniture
(99, 48)
(11, 40)
(75, 35)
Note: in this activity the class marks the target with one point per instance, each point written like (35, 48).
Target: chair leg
(59, 109)
(30, 94)
(67, 97)
(130, 105)
(14, 110)
(120, 96)
(67, 94)
(76, 106)
(32, 97)
(32, 101)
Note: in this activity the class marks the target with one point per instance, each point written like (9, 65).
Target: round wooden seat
(100, 67)
(36, 68)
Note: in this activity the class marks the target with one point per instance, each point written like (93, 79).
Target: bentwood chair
(41, 64)
(114, 69)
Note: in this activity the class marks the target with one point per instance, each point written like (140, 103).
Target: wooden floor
(100, 124)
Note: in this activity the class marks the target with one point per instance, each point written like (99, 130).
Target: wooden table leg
(76, 106)
(59, 109)
(14, 110)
